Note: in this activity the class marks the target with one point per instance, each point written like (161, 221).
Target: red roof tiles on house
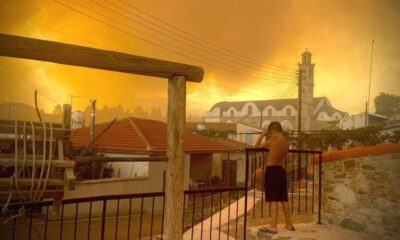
(150, 137)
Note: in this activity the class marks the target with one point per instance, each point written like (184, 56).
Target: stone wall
(363, 194)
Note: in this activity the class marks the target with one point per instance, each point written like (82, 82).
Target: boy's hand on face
(265, 132)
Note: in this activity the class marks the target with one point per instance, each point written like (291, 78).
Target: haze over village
(142, 119)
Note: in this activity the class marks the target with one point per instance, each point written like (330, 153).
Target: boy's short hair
(275, 126)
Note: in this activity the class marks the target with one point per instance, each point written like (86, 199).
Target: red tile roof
(149, 137)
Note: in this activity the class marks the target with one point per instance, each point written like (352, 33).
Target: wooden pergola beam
(8, 162)
(121, 159)
(43, 50)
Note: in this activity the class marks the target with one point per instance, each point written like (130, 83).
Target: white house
(317, 112)
(359, 120)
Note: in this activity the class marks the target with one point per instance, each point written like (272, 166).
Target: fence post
(319, 187)
(103, 219)
(246, 176)
(176, 156)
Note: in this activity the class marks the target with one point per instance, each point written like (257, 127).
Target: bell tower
(306, 91)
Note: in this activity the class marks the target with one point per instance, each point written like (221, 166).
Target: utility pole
(300, 84)
(370, 80)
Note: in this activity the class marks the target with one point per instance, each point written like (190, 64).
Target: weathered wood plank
(29, 48)
(122, 159)
(4, 182)
(175, 170)
(8, 162)
(7, 128)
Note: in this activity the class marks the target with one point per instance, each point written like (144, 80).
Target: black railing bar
(306, 180)
(117, 220)
(202, 217)
(292, 183)
(262, 184)
(227, 189)
(103, 219)
(319, 188)
(194, 202)
(313, 184)
(220, 210)
(141, 219)
(254, 163)
(211, 213)
(229, 211)
(62, 221)
(290, 150)
(99, 198)
(162, 220)
(246, 176)
(152, 218)
(299, 179)
(129, 217)
(90, 218)
(113, 197)
(237, 214)
(76, 218)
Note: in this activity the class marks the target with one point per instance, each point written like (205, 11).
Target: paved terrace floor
(306, 229)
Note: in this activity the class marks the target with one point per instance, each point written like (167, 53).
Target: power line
(165, 42)
(200, 39)
(223, 67)
(26, 83)
(203, 49)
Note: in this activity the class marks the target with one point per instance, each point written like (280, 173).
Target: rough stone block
(349, 164)
(368, 167)
(351, 224)
(342, 175)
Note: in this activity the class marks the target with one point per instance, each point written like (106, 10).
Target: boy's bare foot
(268, 230)
(290, 227)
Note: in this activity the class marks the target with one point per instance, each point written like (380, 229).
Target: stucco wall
(118, 186)
(363, 194)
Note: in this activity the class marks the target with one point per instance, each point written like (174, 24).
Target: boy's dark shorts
(275, 185)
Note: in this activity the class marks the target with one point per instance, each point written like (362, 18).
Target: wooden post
(176, 155)
(66, 121)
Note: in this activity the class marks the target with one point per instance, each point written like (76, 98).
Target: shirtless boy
(275, 175)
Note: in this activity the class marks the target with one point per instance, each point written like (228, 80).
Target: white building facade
(317, 112)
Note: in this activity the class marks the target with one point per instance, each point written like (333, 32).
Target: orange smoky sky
(238, 43)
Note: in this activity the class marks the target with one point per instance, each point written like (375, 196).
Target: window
(232, 113)
(248, 138)
(288, 112)
(249, 110)
(269, 112)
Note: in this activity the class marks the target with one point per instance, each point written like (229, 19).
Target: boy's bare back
(278, 148)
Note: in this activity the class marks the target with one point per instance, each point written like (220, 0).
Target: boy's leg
(286, 211)
(274, 216)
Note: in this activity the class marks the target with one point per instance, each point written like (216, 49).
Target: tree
(140, 112)
(387, 104)
(57, 109)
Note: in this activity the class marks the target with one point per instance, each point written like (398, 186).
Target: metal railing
(301, 178)
(209, 213)
(129, 216)
(214, 213)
